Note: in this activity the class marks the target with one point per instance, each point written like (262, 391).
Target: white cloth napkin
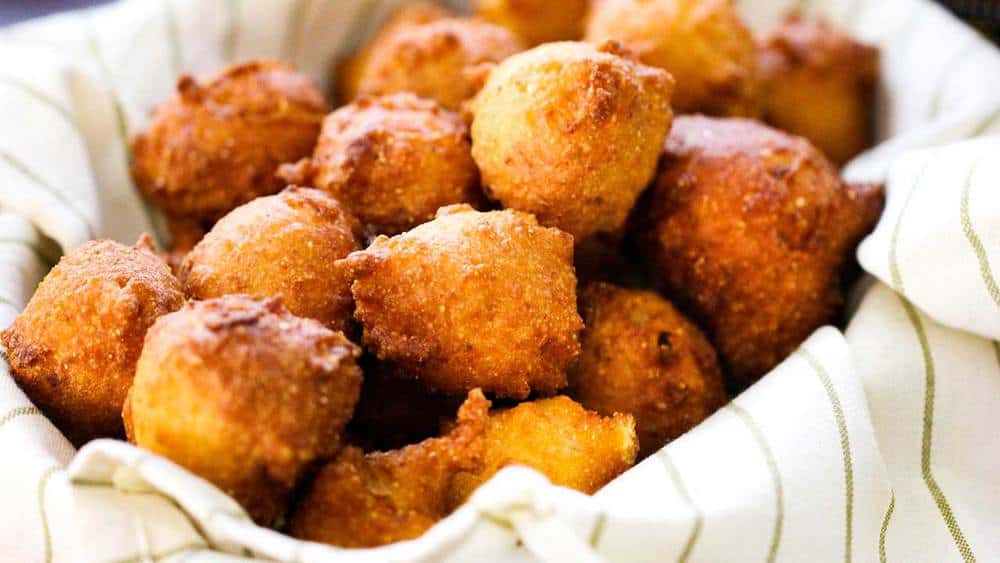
(878, 447)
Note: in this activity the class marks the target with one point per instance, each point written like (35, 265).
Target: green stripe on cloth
(595, 534)
(986, 124)
(36, 179)
(845, 449)
(772, 468)
(231, 37)
(43, 484)
(977, 244)
(996, 351)
(141, 557)
(41, 97)
(19, 412)
(885, 527)
(897, 278)
(699, 518)
(944, 507)
(173, 38)
(121, 120)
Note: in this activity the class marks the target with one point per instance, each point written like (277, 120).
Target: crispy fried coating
(570, 445)
(393, 160)
(702, 43)
(442, 59)
(642, 357)
(347, 72)
(395, 410)
(244, 394)
(367, 500)
(74, 347)
(286, 244)
(216, 145)
(571, 133)
(472, 299)
(819, 83)
(749, 228)
(536, 21)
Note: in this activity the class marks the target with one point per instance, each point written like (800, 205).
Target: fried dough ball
(642, 357)
(750, 227)
(286, 244)
(395, 410)
(536, 21)
(571, 133)
(347, 72)
(367, 500)
(393, 160)
(74, 347)
(244, 394)
(216, 145)
(819, 83)
(472, 299)
(702, 43)
(570, 445)
(443, 59)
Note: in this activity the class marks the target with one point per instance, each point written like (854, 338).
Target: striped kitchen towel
(875, 446)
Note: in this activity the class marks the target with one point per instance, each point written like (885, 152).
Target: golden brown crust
(216, 145)
(439, 59)
(347, 72)
(245, 395)
(702, 43)
(640, 356)
(287, 244)
(819, 83)
(536, 21)
(749, 227)
(367, 500)
(74, 347)
(470, 300)
(570, 445)
(571, 133)
(393, 160)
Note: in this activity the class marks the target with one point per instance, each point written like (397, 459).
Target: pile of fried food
(504, 249)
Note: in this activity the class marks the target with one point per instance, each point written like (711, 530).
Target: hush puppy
(216, 145)
(472, 299)
(702, 43)
(570, 445)
(393, 160)
(819, 83)
(245, 395)
(536, 21)
(571, 133)
(642, 357)
(286, 244)
(749, 228)
(367, 500)
(74, 348)
(442, 59)
(347, 72)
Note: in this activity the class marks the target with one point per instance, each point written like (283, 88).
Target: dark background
(984, 14)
